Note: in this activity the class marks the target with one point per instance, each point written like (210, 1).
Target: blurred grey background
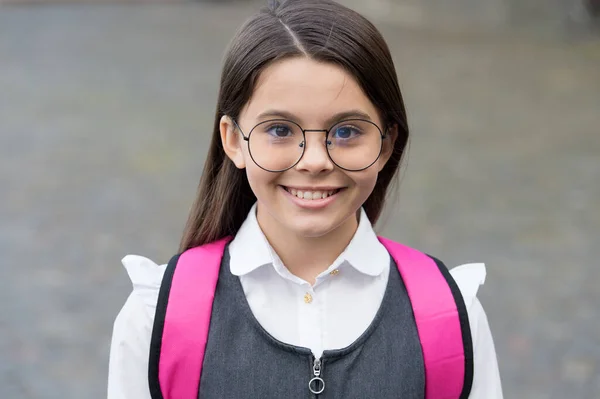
(105, 112)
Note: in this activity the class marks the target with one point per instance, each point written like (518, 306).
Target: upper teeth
(311, 195)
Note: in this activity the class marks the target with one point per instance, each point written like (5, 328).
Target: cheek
(260, 180)
(365, 182)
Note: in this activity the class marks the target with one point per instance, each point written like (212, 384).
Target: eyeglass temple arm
(246, 138)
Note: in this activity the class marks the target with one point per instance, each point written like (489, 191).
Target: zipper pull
(316, 385)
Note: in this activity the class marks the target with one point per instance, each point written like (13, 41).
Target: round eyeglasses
(277, 145)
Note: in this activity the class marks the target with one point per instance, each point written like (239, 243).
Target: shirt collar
(250, 249)
(364, 252)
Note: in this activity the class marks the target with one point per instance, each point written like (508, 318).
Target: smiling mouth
(312, 195)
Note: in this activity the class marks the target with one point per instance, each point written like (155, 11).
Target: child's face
(310, 93)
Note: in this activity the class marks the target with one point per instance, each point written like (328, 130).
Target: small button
(308, 298)
(335, 272)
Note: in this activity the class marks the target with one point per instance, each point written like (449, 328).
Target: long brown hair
(321, 30)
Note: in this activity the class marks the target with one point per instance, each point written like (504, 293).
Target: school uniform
(268, 326)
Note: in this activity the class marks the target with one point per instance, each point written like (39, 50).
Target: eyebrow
(354, 113)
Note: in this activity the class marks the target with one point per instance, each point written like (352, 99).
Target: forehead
(313, 91)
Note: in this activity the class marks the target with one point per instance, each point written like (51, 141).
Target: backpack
(184, 308)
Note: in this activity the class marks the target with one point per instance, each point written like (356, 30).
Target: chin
(310, 232)
(311, 228)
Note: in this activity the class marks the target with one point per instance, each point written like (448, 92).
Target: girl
(305, 300)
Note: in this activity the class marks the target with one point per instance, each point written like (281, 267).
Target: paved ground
(104, 117)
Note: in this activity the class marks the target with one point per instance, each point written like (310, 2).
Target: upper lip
(306, 188)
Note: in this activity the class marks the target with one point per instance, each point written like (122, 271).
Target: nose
(315, 158)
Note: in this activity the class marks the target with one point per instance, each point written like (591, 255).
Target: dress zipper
(316, 384)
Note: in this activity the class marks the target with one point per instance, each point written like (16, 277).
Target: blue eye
(346, 132)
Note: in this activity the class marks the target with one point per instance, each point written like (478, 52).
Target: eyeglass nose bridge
(326, 131)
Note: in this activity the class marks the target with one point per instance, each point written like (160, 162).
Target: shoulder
(146, 278)
(469, 277)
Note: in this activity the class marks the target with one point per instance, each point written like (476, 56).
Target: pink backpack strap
(442, 322)
(181, 329)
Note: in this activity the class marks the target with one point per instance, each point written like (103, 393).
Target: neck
(307, 257)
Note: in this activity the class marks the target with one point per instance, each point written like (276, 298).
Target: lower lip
(311, 204)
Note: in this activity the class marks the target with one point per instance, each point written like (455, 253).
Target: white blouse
(331, 314)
